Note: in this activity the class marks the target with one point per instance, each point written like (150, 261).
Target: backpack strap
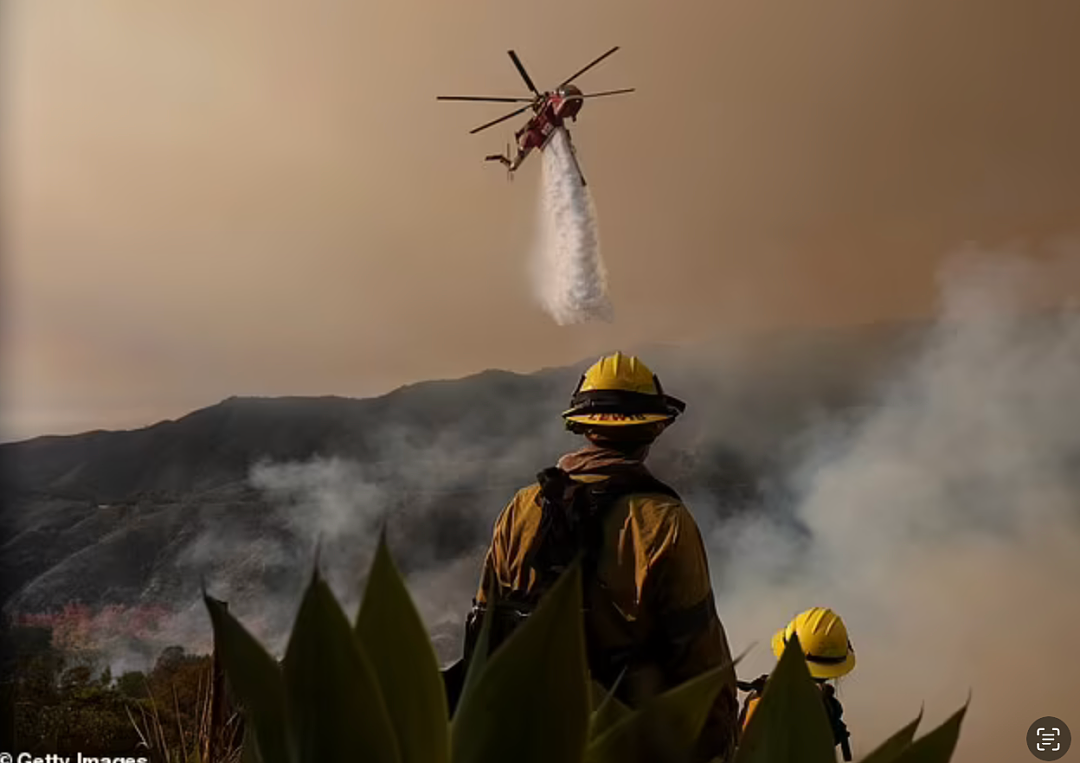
(835, 711)
(757, 685)
(558, 538)
(571, 525)
(572, 517)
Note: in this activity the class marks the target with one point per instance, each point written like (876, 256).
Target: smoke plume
(943, 524)
(937, 512)
(431, 492)
(568, 273)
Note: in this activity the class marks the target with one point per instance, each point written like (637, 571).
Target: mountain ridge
(236, 492)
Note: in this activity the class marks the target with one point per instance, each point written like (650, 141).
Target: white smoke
(943, 525)
(568, 272)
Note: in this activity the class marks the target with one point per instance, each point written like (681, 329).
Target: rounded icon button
(1049, 738)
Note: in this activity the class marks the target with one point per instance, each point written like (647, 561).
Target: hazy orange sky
(205, 199)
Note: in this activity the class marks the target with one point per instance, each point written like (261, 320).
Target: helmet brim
(820, 670)
(615, 419)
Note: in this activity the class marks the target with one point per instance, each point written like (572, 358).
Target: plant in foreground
(189, 745)
(370, 690)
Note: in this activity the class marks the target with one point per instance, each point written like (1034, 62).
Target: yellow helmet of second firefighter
(617, 391)
(824, 641)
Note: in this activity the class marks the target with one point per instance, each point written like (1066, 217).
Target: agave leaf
(666, 727)
(479, 657)
(530, 701)
(332, 692)
(609, 711)
(249, 753)
(938, 745)
(789, 724)
(256, 679)
(891, 748)
(393, 636)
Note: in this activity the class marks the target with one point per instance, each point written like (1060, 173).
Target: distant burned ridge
(112, 518)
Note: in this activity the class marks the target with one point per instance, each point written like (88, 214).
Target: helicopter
(551, 110)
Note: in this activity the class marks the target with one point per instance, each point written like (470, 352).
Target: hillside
(139, 518)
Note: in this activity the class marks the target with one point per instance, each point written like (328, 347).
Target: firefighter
(829, 655)
(649, 609)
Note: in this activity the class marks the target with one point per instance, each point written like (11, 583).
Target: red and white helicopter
(551, 108)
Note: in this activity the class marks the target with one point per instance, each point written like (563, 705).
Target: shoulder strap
(757, 685)
(572, 516)
(556, 543)
(571, 524)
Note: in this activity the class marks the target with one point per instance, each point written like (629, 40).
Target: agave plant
(371, 690)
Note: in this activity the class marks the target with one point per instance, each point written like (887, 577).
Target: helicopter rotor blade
(493, 99)
(523, 73)
(573, 77)
(500, 119)
(606, 92)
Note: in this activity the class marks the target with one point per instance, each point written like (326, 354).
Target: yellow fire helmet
(619, 390)
(824, 640)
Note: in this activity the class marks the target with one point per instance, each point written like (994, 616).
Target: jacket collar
(597, 459)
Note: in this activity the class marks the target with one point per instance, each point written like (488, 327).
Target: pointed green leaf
(598, 693)
(609, 710)
(530, 702)
(891, 748)
(479, 657)
(332, 693)
(392, 634)
(937, 746)
(666, 727)
(248, 752)
(256, 680)
(789, 724)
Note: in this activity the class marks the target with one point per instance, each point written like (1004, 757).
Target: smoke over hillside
(435, 492)
(940, 518)
(937, 510)
(943, 524)
(568, 273)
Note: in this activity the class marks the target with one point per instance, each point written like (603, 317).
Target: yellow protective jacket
(748, 708)
(651, 590)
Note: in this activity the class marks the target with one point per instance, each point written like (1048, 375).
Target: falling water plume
(569, 274)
